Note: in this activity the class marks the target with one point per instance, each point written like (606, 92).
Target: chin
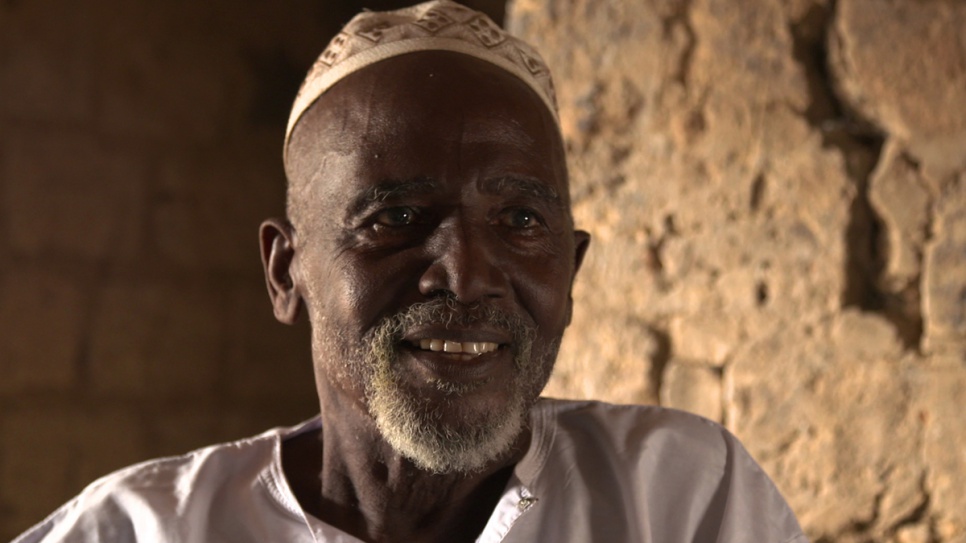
(454, 436)
(457, 430)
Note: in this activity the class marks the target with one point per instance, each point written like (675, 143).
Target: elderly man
(429, 239)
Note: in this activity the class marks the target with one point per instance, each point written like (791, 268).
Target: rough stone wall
(140, 147)
(777, 194)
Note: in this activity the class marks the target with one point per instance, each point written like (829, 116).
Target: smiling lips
(466, 347)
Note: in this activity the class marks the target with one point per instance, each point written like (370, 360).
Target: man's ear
(581, 243)
(277, 242)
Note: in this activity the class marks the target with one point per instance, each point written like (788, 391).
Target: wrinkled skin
(430, 175)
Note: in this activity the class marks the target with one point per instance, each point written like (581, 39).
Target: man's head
(431, 241)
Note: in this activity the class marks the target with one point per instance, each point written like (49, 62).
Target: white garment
(594, 472)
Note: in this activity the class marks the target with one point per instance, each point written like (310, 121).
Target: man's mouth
(465, 347)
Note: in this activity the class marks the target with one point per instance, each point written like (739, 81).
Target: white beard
(414, 426)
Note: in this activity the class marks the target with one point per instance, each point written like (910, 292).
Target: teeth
(469, 347)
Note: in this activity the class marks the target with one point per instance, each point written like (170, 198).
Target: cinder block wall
(778, 198)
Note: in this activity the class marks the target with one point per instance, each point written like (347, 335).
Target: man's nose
(464, 263)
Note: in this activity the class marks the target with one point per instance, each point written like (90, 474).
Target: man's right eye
(396, 216)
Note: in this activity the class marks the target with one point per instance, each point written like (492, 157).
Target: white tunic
(594, 472)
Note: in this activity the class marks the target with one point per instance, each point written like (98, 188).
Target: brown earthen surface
(778, 199)
(140, 147)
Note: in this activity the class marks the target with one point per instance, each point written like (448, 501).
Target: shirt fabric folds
(594, 472)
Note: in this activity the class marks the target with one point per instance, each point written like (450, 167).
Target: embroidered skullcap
(438, 25)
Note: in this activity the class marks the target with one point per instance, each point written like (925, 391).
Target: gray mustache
(449, 312)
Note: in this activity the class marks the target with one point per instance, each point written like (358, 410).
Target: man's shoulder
(638, 467)
(649, 463)
(117, 506)
(632, 427)
(174, 474)
(661, 441)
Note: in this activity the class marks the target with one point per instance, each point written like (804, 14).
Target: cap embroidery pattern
(373, 33)
(487, 32)
(433, 20)
(437, 25)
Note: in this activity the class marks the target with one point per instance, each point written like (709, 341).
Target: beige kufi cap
(439, 25)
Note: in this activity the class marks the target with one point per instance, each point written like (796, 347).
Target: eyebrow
(503, 185)
(397, 189)
(391, 190)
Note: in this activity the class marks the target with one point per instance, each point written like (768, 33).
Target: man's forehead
(398, 190)
(448, 118)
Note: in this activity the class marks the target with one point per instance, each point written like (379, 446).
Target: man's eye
(396, 216)
(520, 218)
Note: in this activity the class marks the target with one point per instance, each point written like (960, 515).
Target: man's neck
(353, 480)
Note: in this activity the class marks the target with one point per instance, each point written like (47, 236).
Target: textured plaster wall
(777, 190)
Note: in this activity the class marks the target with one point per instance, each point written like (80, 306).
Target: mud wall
(140, 147)
(777, 191)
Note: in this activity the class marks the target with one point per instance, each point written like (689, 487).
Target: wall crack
(679, 19)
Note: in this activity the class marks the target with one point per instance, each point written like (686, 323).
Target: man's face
(435, 252)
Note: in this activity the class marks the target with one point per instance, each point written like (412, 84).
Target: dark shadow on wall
(140, 147)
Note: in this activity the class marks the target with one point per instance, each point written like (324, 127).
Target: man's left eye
(396, 216)
(520, 218)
